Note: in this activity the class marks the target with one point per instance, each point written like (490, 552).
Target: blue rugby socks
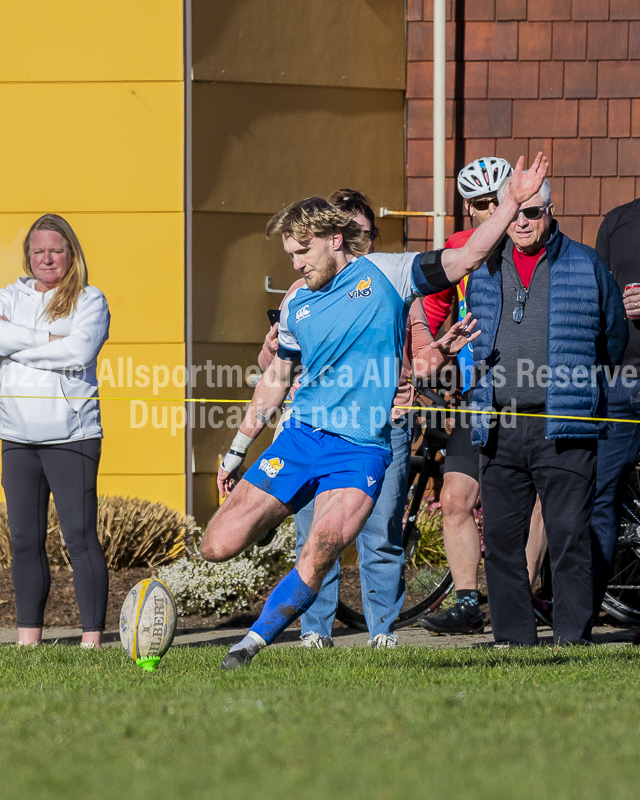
(291, 598)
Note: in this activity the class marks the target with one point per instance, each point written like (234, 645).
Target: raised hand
(457, 336)
(524, 185)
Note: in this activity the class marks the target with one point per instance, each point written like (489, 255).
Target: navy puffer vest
(587, 329)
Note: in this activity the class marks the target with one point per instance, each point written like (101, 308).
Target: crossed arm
(36, 347)
(14, 338)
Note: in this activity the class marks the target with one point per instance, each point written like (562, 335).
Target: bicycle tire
(622, 599)
(426, 589)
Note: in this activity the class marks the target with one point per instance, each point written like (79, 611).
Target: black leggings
(30, 473)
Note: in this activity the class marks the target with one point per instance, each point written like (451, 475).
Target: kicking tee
(349, 336)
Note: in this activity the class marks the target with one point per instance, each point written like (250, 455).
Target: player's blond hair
(65, 298)
(315, 216)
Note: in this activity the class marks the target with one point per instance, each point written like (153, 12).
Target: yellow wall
(92, 127)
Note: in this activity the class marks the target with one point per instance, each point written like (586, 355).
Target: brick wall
(523, 75)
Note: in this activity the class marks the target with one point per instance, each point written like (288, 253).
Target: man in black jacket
(618, 245)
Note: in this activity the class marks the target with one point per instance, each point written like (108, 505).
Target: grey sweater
(521, 348)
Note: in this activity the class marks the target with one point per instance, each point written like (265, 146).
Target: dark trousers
(516, 464)
(617, 456)
(30, 473)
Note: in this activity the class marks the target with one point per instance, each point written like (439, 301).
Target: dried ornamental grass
(430, 551)
(430, 548)
(132, 532)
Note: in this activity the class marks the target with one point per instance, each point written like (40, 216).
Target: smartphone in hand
(274, 316)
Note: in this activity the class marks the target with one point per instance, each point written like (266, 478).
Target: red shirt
(438, 306)
(526, 263)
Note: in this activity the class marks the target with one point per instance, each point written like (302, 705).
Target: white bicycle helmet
(483, 176)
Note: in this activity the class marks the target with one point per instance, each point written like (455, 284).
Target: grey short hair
(545, 191)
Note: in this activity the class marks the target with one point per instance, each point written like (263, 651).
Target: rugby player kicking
(346, 326)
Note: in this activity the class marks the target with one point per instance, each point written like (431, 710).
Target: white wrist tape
(231, 462)
(237, 452)
(241, 443)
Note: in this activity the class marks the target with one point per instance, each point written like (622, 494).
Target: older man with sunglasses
(478, 183)
(552, 319)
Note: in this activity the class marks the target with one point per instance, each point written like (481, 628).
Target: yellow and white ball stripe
(148, 620)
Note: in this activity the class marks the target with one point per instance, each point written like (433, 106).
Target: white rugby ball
(148, 622)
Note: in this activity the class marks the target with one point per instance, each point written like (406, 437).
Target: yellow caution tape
(514, 414)
(245, 402)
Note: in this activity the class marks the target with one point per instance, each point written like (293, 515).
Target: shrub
(205, 588)
(132, 532)
(430, 548)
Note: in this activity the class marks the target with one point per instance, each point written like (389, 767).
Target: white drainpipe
(439, 119)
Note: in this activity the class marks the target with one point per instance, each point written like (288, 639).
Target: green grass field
(342, 723)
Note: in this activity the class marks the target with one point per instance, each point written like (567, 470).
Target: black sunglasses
(533, 212)
(521, 298)
(484, 203)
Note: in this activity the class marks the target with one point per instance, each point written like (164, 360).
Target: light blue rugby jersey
(349, 336)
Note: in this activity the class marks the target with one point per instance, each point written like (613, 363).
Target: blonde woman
(52, 327)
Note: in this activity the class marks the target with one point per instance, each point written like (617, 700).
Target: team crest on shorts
(271, 466)
(363, 289)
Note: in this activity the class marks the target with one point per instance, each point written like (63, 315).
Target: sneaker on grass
(459, 619)
(382, 641)
(312, 640)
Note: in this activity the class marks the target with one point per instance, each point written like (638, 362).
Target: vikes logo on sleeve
(363, 289)
(271, 466)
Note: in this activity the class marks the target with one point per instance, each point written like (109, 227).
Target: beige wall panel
(258, 148)
(205, 497)
(313, 42)
(391, 234)
(123, 151)
(135, 259)
(231, 258)
(91, 40)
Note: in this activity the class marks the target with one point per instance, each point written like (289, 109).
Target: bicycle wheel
(622, 599)
(428, 581)
(428, 578)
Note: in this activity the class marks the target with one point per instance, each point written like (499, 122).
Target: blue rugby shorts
(304, 462)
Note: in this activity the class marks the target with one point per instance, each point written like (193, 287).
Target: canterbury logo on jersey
(363, 289)
(302, 313)
(271, 466)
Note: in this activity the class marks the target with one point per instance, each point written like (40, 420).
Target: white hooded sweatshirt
(40, 379)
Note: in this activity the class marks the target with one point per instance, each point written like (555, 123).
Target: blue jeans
(379, 549)
(617, 455)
